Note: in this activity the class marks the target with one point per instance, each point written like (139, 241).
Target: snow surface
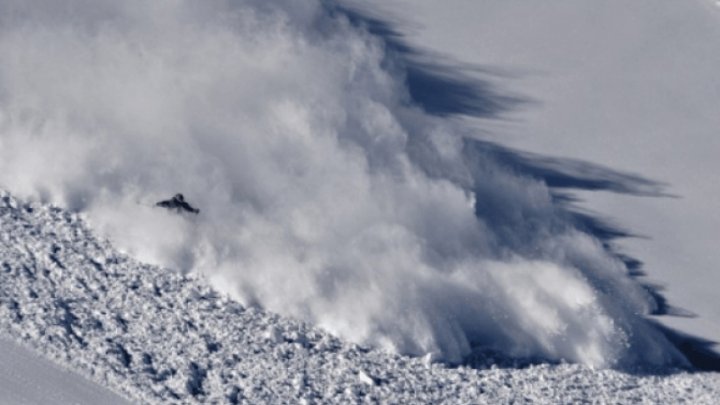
(26, 378)
(628, 85)
(327, 193)
(337, 187)
(158, 336)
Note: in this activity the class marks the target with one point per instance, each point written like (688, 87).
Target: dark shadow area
(565, 175)
(440, 88)
(572, 174)
(446, 89)
(697, 350)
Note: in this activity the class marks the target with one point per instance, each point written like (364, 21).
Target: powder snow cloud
(326, 194)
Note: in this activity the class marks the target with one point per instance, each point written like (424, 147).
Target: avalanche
(157, 336)
(327, 193)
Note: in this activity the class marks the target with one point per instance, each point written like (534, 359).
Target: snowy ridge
(157, 336)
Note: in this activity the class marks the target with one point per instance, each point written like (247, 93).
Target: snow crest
(325, 194)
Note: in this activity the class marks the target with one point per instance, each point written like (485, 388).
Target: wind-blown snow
(622, 84)
(324, 193)
(159, 337)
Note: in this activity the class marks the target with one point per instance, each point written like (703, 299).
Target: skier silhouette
(177, 203)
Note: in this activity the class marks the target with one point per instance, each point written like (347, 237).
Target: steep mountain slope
(330, 190)
(627, 85)
(156, 336)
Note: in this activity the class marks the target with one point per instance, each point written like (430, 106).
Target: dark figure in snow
(178, 204)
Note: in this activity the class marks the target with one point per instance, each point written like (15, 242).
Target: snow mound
(157, 336)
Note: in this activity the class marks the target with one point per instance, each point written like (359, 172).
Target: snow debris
(429, 359)
(274, 335)
(365, 379)
(156, 337)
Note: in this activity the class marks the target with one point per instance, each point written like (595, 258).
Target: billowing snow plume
(324, 193)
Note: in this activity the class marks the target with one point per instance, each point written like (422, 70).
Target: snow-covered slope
(157, 336)
(27, 378)
(628, 85)
(328, 193)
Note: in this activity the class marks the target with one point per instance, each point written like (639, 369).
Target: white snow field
(27, 378)
(629, 85)
(156, 336)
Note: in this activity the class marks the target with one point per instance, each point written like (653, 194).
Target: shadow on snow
(445, 89)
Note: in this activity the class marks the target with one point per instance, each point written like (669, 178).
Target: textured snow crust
(157, 336)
